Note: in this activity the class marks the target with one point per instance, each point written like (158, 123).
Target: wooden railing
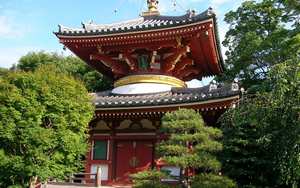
(82, 177)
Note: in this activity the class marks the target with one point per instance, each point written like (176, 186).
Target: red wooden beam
(208, 49)
(186, 61)
(132, 63)
(213, 51)
(187, 71)
(171, 61)
(116, 66)
(198, 54)
(151, 46)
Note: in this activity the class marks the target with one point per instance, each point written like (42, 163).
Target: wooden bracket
(186, 61)
(116, 67)
(171, 61)
(187, 72)
(131, 62)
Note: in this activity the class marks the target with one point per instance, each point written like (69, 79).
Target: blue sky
(28, 25)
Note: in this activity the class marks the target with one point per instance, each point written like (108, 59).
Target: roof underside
(151, 32)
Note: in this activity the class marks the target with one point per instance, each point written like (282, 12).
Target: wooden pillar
(113, 151)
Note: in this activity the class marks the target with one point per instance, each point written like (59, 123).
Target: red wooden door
(132, 157)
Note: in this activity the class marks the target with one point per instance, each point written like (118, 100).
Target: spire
(152, 8)
(152, 5)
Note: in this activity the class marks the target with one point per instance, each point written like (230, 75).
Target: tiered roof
(144, 23)
(187, 45)
(175, 49)
(205, 99)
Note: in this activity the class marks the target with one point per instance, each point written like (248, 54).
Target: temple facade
(150, 59)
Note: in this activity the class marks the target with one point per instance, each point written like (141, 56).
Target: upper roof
(185, 47)
(140, 24)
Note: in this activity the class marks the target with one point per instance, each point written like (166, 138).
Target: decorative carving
(147, 124)
(179, 41)
(154, 53)
(134, 162)
(213, 86)
(125, 124)
(143, 62)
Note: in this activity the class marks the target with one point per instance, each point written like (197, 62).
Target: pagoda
(150, 59)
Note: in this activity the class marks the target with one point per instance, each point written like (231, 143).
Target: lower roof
(176, 97)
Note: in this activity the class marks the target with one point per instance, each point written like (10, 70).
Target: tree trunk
(33, 181)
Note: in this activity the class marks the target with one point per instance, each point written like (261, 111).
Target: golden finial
(152, 8)
(152, 5)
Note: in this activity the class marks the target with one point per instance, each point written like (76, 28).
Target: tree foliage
(150, 179)
(43, 125)
(93, 80)
(262, 34)
(261, 136)
(3, 72)
(190, 146)
(211, 180)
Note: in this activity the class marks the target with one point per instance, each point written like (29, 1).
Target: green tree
(261, 136)
(212, 181)
(44, 118)
(3, 72)
(93, 80)
(191, 145)
(189, 138)
(262, 34)
(151, 179)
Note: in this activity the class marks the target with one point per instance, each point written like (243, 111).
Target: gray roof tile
(142, 23)
(175, 96)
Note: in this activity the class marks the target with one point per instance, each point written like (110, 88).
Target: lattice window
(100, 150)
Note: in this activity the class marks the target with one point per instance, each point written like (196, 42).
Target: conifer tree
(191, 145)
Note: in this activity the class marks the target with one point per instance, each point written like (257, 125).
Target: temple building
(150, 59)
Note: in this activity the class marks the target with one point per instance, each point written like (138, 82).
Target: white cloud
(10, 56)
(9, 29)
(219, 2)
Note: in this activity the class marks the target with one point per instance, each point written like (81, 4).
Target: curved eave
(130, 30)
(169, 104)
(218, 45)
(211, 104)
(95, 35)
(70, 41)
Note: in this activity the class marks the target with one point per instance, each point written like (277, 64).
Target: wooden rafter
(186, 61)
(117, 67)
(147, 46)
(198, 54)
(131, 62)
(211, 51)
(171, 61)
(187, 71)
